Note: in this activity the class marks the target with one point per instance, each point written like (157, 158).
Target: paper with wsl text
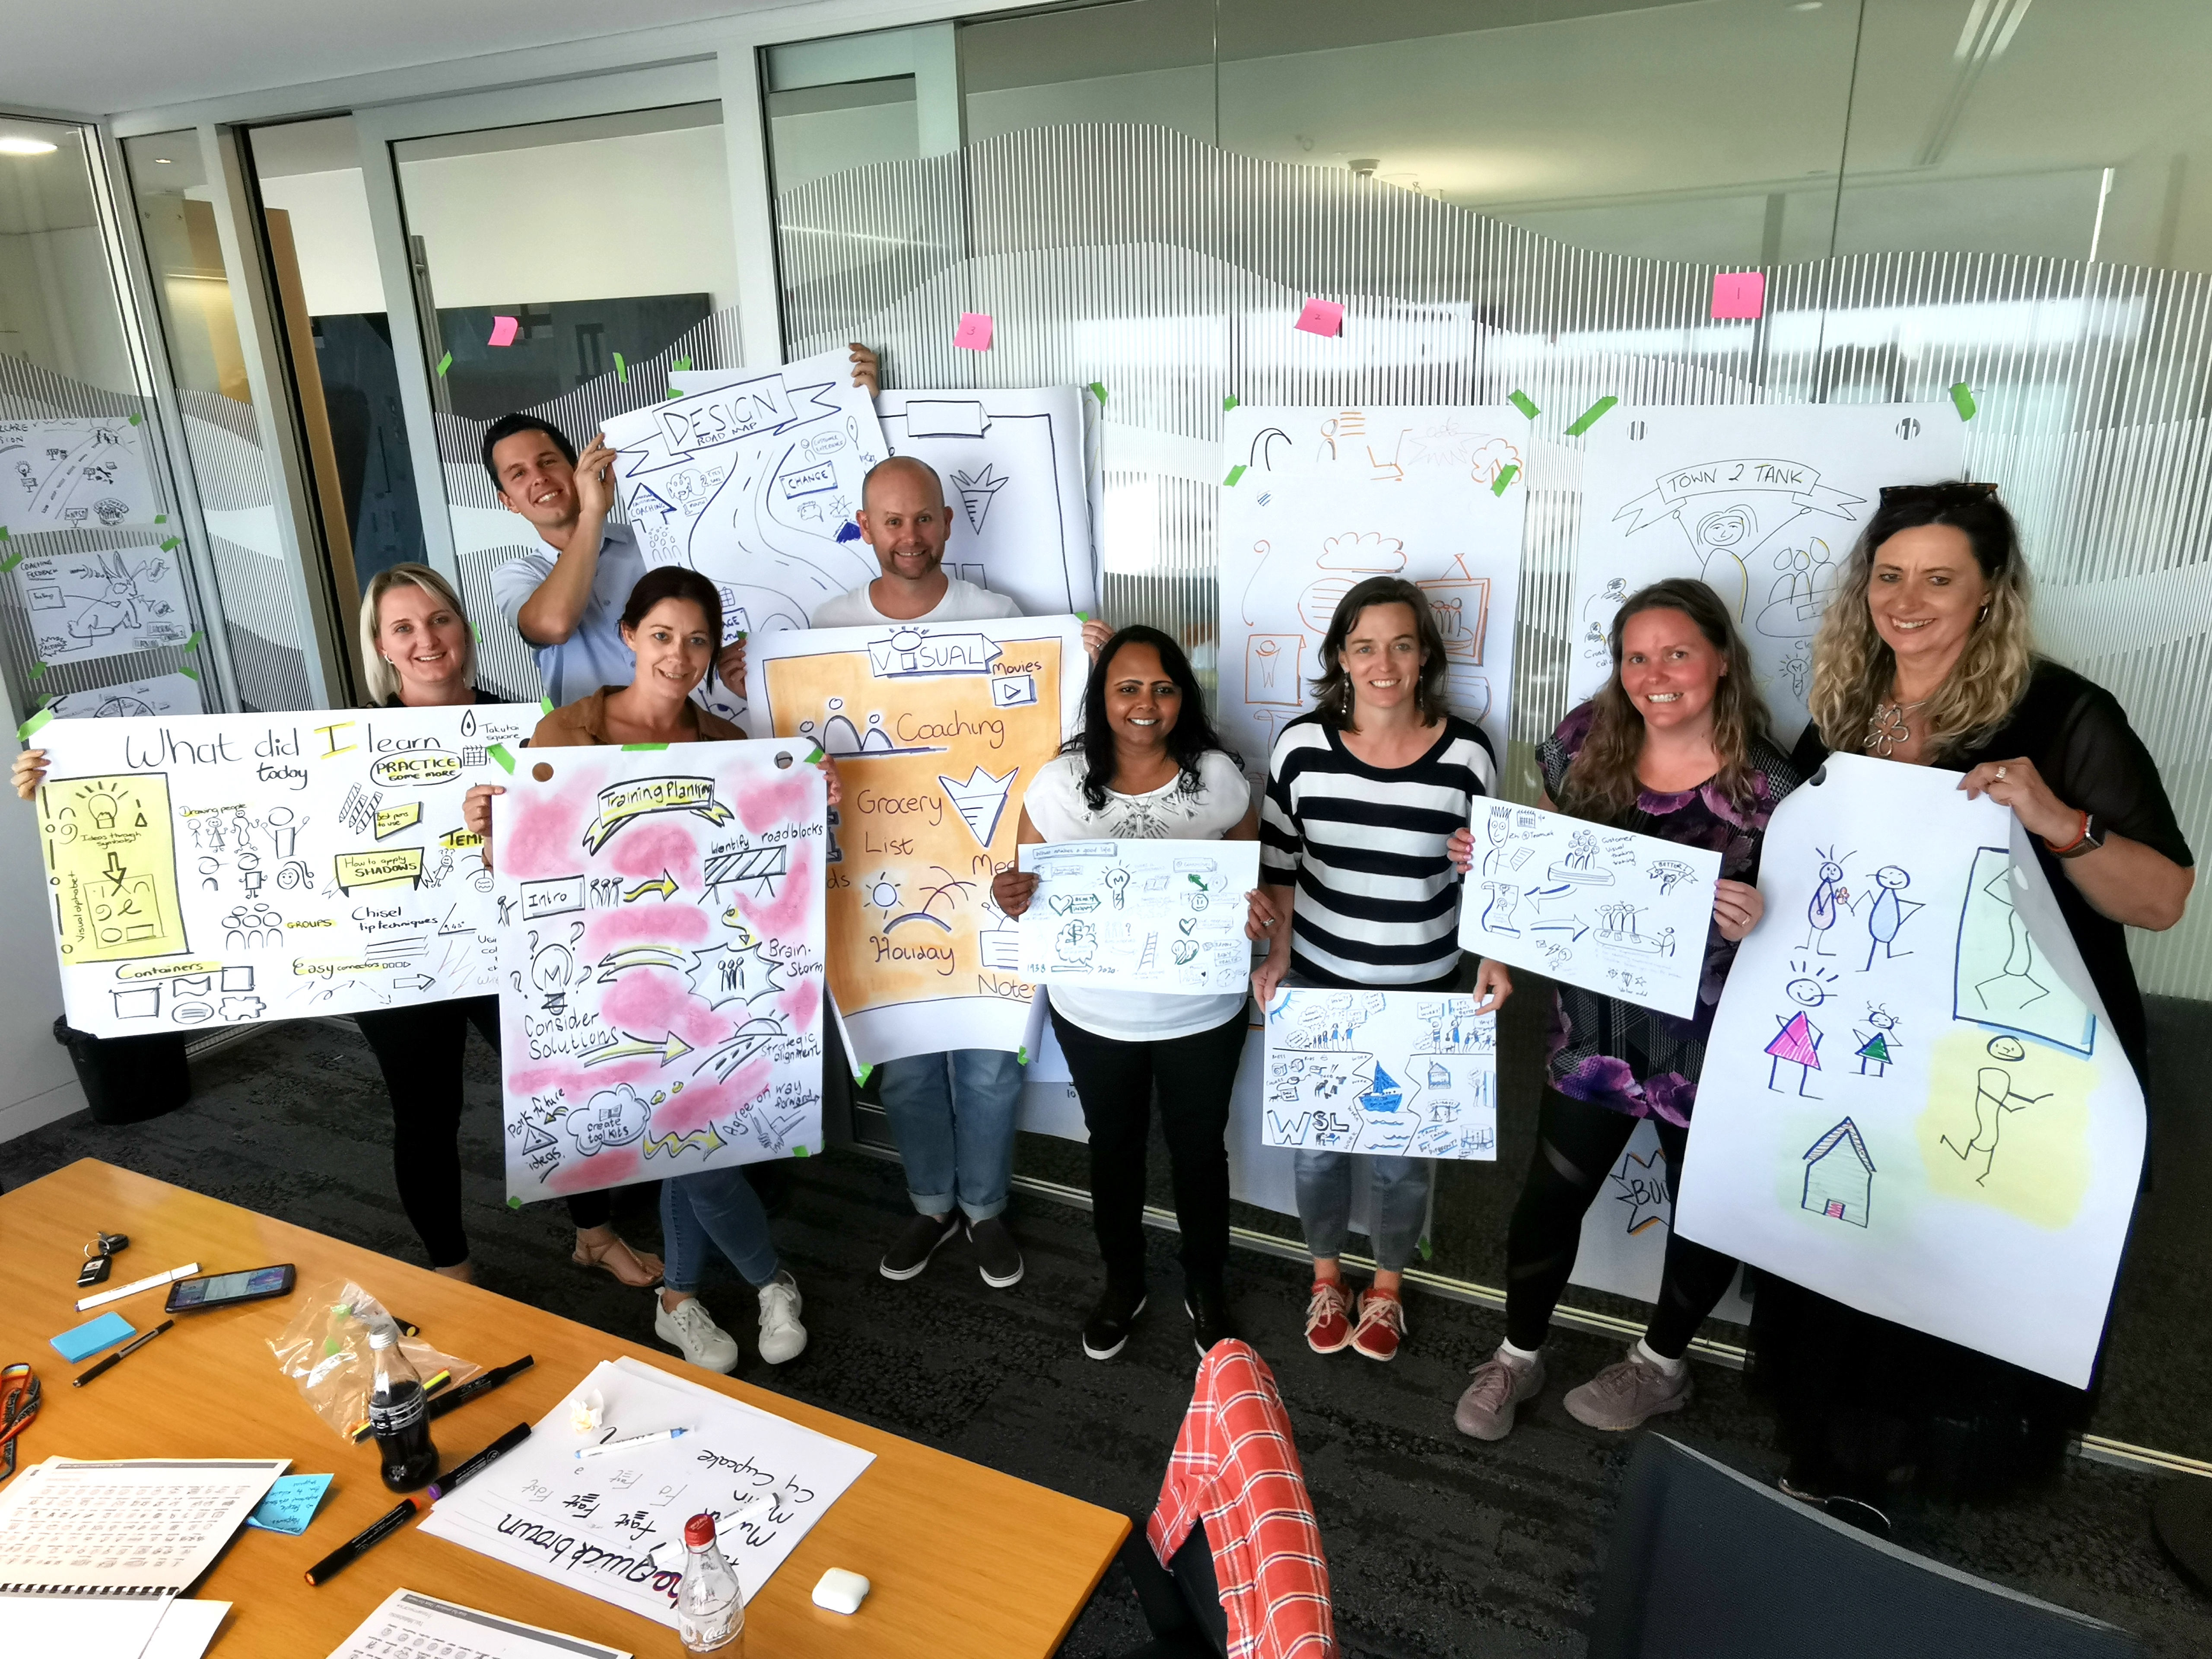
(220, 869)
(938, 730)
(1409, 1073)
(613, 1527)
(660, 939)
(1607, 909)
(1165, 916)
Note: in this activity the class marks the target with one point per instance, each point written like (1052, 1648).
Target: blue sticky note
(291, 1503)
(89, 1338)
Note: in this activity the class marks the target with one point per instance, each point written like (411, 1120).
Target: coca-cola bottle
(399, 1414)
(710, 1608)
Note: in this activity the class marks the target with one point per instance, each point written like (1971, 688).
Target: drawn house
(1839, 1176)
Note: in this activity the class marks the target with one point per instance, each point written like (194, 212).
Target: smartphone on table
(225, 1290)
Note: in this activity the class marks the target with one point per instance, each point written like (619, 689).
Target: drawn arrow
(638, 956)
(705, 1140)
(414, 983)
(664, 883)
(115, 871)
(670, 1049)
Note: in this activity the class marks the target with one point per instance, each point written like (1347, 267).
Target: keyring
(20, 1392)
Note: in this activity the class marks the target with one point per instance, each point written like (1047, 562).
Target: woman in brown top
(673, 624)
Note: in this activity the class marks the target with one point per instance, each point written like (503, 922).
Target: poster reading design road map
(82, 474)
(938, 730)
(660, 954)
(219, 869)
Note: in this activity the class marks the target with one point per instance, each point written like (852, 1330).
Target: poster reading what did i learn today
(220, 869)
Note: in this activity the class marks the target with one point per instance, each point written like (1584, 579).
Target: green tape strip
(672, 392)
(514, 1203)
(816, 756)
(682, 365)
(1083, 616)
(545, 705)
(862, 1076)
(4, 532)
(478, 632)
(1590, 417)
(1524, 402)
(170, 543)
(1964, 401)
(445, 363)
(1228, 403)
(798, 1152)
(38, 671)
(641, 748)
(498, 752)
(10, 563)
(1235, 473)
(186, 671)
(1021, 1056)
(192, 644)
(1098, 390)
(134, 419)
(35, 722)
(161, 518)
(1506, 474)
(621, 368)
(1426, 1253)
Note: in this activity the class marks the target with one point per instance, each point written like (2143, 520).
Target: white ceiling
(146, 53)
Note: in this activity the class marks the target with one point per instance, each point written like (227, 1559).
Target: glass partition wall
(1534, 195)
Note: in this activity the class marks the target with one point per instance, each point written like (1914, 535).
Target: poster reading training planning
(219, 869)
(1140, 915)
(1607, 909)
(1911, 1100)
(1411, 1073)
(660, 955)
(936, 730)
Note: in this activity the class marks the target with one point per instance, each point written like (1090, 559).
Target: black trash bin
(128, 1079)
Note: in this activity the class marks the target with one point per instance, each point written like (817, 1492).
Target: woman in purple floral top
(1675, 746)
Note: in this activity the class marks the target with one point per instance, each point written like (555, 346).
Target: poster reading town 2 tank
(936, 730)
(220, 869)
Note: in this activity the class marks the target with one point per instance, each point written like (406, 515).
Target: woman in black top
(1924, 656)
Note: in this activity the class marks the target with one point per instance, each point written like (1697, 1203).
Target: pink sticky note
(1321, 317)
(1740, 294)
(974, 333)
(503, 329)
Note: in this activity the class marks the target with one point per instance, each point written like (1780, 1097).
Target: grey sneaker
(781, 1336)
(1621, 1397)
(1501, 1386)
(998, 1258)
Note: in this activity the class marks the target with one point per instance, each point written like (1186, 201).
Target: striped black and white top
(1378, 898)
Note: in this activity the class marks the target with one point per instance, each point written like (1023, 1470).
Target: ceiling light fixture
(20, 146)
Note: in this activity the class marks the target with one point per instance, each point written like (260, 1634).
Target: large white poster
(1912, 1101)
(219, 869)
(754, 483)
(661, 950)
(87, 473)
(103, 604)
(1760, 501)
(1162, 917)
(165, 694)
(1012, 466)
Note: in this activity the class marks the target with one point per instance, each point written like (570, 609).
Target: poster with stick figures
(1911, 1100)
(1761, 503)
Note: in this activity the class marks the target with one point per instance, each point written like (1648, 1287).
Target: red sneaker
(1382, 1326)
(1329, 1318)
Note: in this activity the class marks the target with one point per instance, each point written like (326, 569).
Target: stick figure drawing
(1890, 913)
(1827, 899)
(1798, 1042)
(1993, 1097)
(1877, 1047)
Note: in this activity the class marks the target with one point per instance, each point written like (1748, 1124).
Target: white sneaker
(781, 1336)
(693, 1329)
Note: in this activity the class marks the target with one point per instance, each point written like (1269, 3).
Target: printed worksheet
(1403, 1072)
(1140, 915)
(412, 1626)
(1607, 909)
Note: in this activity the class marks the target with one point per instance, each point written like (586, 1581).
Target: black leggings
(1577, 1143)
(1195, 1076)
(1181, 1601)
(419, 1049)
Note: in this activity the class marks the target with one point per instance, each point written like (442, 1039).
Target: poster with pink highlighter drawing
(1607, 909)
(661, 961)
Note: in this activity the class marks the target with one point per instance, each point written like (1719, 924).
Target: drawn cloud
(612, 1117)
(1370, 552)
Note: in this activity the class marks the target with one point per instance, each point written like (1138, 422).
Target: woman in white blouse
(1146, 765)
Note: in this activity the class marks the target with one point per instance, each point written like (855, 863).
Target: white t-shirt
(1174, 811)
(962, 602)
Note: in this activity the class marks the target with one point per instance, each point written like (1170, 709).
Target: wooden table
(964, 1560)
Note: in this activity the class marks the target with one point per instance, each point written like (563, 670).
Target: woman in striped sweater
(1357, 891)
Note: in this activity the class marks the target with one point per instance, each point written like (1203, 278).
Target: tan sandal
(612, 1254)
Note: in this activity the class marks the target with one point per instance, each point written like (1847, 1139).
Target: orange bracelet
(2080, 836)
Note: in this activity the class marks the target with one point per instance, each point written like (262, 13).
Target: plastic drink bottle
(399, 1414)
(710, 1608)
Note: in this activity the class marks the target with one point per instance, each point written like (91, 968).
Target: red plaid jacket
(1235, 1466)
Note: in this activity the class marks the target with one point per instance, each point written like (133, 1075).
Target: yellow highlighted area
(111, 867)
(2008, 1125)
(396, 867)
(391, 820)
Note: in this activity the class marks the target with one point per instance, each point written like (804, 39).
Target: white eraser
(841, 1591)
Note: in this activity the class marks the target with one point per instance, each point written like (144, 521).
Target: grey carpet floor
(1437, 1546)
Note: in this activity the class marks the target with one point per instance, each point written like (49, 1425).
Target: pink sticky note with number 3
(503, 329)
(1321, 317)
(974, 333)
(1740, 294)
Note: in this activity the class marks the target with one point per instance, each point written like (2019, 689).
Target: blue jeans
(1400, 1203)
(716, 1207)
(952, 1116)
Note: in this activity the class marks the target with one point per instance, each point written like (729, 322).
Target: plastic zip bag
(325, 1352)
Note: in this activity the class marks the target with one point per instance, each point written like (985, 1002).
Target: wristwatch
(2091, 838)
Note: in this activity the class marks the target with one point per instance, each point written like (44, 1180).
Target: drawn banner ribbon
(620, 803)
(1676, 488)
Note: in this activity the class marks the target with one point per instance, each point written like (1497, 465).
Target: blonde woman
(1926, 657)
(420, 652)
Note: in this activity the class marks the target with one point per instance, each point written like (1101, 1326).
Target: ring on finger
(2001, 774)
